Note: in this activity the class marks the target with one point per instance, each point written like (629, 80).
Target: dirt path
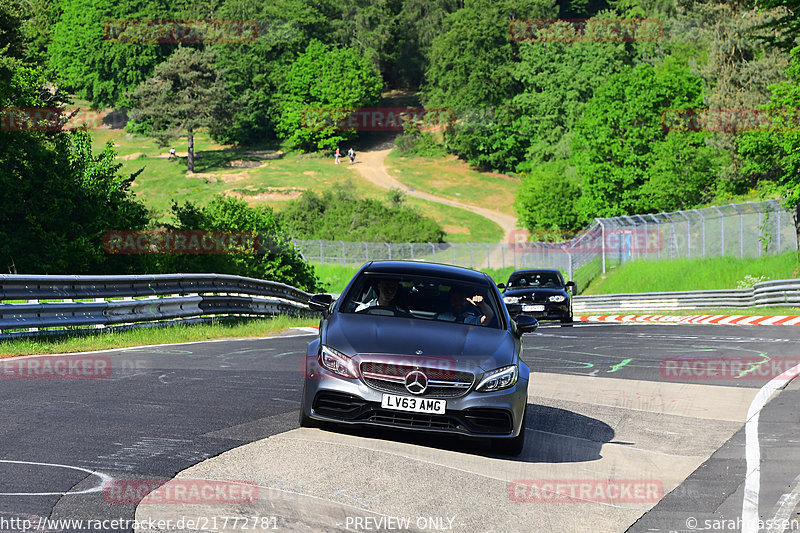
(372, 166)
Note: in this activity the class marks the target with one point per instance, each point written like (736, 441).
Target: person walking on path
(352, 154)
(337, 155)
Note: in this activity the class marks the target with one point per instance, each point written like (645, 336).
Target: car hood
(524, 291)
(487, 348)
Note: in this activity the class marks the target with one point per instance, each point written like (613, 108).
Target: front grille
(412, 420)
(442, 382)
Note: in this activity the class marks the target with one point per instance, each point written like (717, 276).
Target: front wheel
(304, 420)
(566, 322)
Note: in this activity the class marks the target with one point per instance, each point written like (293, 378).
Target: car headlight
(499, 379)
(337, 362)
(511, 299)
(556, 298)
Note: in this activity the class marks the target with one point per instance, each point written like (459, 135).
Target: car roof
(536, 271)
(425, 269)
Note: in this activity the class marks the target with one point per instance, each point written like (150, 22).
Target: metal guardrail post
(603, 242)
(389, 246)
(777, 207)
(321, 254)
(741, 230)
(688, 235)
(760, 232)
(343, 252)
(488, 255)
(658, 231)
(433, 249)
(674, 235)
(702, 229)
(721, 231)
(411, 250)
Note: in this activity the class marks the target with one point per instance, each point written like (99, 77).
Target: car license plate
(416, 405)
(532, 308)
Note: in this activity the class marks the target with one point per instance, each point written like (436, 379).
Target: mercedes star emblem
(416, 382)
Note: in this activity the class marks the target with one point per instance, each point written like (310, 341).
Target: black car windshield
(423, 297)
(548, 280)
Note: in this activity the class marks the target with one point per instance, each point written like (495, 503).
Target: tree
(471, 72)
(341, 214)
(620, 139)
(322, 86)
(738, 73)
(558, 79)
(787, 25)
(186, 92)
(276, 260)
(94, 66)
(547, 196)
(774, 155)
(256, 70)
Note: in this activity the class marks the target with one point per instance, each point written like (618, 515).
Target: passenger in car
(387, 290)
(467, 310)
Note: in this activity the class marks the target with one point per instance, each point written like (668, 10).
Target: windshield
(549, 280)
(423, 297)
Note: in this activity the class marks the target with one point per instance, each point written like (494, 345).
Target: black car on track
(540, 293)
(421, 347)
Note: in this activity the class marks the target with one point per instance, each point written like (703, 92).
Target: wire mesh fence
(748, 229)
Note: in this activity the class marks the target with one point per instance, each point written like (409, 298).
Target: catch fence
(749, 229)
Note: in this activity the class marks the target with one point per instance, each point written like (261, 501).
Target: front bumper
(476, 414)
(552, 311)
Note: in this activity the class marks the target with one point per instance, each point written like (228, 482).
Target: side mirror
(572, 285)
(320, 302)
(526, 324)
(501, 286)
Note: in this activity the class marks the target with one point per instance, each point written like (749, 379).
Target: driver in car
(387, 290)
(473, 310)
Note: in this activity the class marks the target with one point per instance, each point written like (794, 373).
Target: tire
(512, 446)
(566, 322)
(304, 420)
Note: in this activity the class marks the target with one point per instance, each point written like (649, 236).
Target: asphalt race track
(629, 428)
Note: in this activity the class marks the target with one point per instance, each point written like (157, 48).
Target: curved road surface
(603, 414)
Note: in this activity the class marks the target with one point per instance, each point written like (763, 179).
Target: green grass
(757, 311)
(459, 225)
(82, 341)
(261, 176)
(691, 274)
(451, 178)
(335, 277)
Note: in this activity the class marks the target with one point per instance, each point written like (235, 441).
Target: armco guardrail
(766, 294)
(28, 303)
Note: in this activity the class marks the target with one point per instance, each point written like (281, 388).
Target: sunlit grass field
(452, 178)
(692, 274)
(83, 341)
(262, 176)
